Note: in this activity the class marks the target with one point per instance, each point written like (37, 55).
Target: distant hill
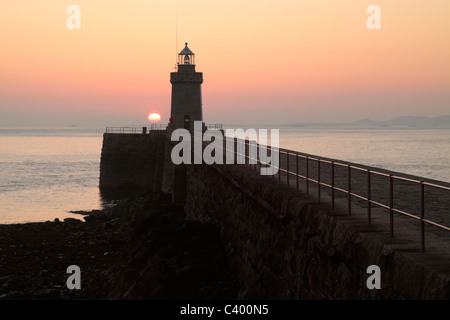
(419, 121)
(404, 121)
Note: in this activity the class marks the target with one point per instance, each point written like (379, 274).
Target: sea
(47, 173)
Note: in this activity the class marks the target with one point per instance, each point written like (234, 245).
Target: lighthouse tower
(186, 106)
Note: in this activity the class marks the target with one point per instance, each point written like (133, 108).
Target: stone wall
(132, 161)
(280, 244)
(283, 246)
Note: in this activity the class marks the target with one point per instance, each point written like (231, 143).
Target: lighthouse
(186, 104)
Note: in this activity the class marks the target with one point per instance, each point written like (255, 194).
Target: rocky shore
(142, 248)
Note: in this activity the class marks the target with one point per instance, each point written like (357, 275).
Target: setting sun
(154, 117)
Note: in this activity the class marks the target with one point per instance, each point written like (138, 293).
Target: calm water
(47, 172)
(421, 152)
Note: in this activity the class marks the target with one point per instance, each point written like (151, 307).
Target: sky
(263, 62)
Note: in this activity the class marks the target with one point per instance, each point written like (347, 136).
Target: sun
(154, 117)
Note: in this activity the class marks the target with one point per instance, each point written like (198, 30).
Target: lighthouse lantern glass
(186, 56)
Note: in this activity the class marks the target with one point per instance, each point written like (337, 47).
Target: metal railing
(152, 127)
(136, 129)
(350, 193)
(216, 126)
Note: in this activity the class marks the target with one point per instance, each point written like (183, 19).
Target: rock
(81, 212)
(115, 239)
(43, 272)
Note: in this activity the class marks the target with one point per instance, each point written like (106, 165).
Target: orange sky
(263, 61)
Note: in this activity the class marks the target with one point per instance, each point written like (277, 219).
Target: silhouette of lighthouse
(186, 105)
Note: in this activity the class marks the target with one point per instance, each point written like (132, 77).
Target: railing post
(296, 168)
(257, 156)
(224, 150)
(349, 190)
(369, 205)
(332, 184)
(307, 175)
(279, 172)
(287, 169)
(235, 143)
(318, 180)
(273, 175)
(391, 204)
(422, 216)
(247, 152)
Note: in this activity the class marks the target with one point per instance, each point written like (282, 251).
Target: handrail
(215, 126)
(136, 129)
(152, 127)
(347, 190)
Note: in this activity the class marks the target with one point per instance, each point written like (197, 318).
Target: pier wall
(280, 243)
(284, 246)
(132, 161)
